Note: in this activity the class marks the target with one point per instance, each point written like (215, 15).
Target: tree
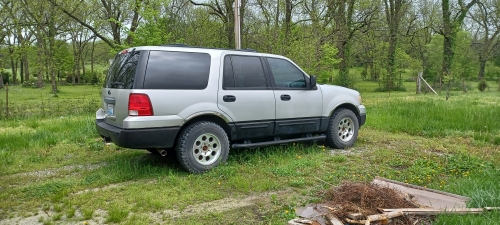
(224, 10)
(450, 28)
(105, 12)
(394, 11)
(346, 24)
(487, 17)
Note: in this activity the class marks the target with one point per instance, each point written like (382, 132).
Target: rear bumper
(138, 138)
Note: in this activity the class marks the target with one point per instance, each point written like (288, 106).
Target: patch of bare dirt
(221, 205)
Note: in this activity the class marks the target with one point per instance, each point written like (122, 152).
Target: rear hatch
(120, 80)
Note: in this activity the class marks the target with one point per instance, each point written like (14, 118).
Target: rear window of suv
(121, 73)
(177, 70)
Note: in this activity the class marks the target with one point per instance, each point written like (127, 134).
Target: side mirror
(312, 82)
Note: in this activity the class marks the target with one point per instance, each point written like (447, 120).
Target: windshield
(121, 73)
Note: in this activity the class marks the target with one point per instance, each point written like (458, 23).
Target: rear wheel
(202, 146)
(343, 129)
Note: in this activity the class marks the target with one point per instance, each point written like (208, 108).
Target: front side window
(243, 72)
(177, 70)
(286, 75)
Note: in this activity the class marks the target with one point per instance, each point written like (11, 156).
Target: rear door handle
(286, 97)
(229, 98)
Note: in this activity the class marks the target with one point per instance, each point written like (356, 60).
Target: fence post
(419, 82)
(7, 100)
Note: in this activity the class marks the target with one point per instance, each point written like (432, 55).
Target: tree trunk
(82, 60)
(76, 63)
(50, 55)
(1, 81)
(482, 66)
(288, 19)
(40, 59)
(13, 65)
(92, 56)
(394, 12)
(451, 27)
(26, 68)
(342, 27)
(21, 71)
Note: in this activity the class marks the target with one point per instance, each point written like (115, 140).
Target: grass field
(55, 170)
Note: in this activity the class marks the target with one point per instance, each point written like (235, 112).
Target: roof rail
(189, 46)
(176, 45)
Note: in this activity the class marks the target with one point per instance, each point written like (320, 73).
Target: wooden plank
(429, 86)
(424, 196)
(429, 212)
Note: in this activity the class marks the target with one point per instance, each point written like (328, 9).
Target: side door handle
(286, 97)
(229, 98)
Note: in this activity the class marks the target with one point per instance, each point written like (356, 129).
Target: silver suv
(202, 102)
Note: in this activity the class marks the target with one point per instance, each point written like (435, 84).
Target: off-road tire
(342, 129)
(198, 139)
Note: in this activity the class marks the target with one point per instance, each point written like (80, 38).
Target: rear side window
(243, 72)
(177, 70)
(121, 73)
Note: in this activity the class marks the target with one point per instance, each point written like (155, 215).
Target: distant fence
(24, 102)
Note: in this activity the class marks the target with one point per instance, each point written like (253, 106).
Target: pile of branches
(366, 199)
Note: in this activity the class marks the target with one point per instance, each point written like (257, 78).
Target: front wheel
(202, 146)
(342, 129)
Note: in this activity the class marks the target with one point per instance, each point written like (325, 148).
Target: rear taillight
(139, 105)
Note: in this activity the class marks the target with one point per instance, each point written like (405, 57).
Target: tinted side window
(121, 73)
(177, 70)
(248, 72)
(228, 80)
(286, 75)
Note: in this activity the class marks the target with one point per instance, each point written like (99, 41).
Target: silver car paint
(175, 107)
(333, 96)
(250, 105)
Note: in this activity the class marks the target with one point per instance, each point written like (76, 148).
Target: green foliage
(5, 75)
(492, 72)
(482, 85)
(63, 59)
(465, 64)
(152, 33)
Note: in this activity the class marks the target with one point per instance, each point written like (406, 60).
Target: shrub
(364, 73)
(482, 85)
(5, 75)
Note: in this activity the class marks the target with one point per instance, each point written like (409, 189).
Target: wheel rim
(206, 149)
(346, 129)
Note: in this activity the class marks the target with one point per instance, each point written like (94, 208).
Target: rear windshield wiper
(115, 84)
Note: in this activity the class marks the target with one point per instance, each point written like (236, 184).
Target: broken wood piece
(333, 220)
(430, 212)
(355, 221)
(385, 216)
(355, 216)
(330, 208)
(491, 208)
(300, 222)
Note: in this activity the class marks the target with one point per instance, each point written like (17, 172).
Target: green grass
(26, 102)
(473, 114)
(59, 164)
